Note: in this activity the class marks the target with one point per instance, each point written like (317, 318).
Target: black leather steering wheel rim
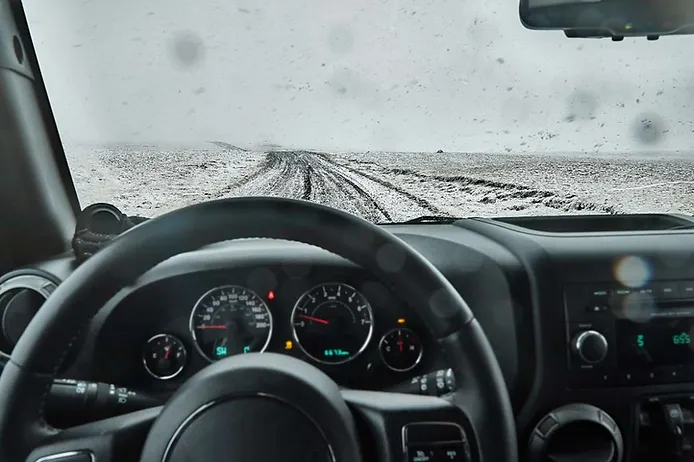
(23, 385)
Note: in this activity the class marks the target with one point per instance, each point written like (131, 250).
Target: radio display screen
(661, 342)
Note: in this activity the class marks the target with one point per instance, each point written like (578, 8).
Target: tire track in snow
(313, 176)
(413, 197)
(308, 172)
(340, 178)
(479, 190)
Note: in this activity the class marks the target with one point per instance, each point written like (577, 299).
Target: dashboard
(590, 318)
(328, 313)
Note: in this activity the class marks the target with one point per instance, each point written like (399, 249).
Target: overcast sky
(355, 75)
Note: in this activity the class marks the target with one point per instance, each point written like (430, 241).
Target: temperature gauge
(401, 349)
(164, 356)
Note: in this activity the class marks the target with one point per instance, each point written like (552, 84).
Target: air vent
(21, 297)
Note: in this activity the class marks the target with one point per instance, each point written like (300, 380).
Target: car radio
(621, 336)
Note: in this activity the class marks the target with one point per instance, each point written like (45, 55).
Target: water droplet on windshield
(649, 128)
(188, 49)
(581, 106)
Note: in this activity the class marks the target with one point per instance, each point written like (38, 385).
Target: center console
(613, 307)
(630, 336)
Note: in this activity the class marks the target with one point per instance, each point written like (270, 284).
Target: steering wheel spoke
(114, 439)
(411, 427)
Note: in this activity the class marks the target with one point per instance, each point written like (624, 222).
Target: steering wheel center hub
(259, 428)
(260, 407)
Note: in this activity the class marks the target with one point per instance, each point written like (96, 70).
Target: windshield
(387, 109)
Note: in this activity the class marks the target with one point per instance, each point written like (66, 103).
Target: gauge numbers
(230, 320)
(332, 323)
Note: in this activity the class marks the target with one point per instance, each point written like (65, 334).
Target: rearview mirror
(610, 18)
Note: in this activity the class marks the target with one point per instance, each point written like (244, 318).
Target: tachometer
(332, 323)
(230, 320)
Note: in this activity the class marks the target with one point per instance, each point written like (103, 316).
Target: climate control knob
(590, 346)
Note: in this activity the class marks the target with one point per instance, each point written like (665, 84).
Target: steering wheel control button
(454, 453)
(590, 346)
(164, 356)
(423, 454)
(435, 442)
(435, 432)
(71, 456)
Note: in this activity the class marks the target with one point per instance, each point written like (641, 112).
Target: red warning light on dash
(271, 295)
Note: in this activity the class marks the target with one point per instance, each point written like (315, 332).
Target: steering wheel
(263, 406)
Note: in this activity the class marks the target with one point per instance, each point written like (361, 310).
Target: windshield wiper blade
(430, 219)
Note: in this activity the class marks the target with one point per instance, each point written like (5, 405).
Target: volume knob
(590, 345)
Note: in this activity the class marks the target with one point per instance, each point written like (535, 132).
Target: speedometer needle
(213, 326)
(314, 319)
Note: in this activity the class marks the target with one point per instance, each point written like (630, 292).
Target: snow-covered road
(382, 187)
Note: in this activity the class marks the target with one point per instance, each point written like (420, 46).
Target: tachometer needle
(213, 326)
(314, 319)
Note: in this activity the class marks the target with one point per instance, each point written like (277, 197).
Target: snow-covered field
(148, 180)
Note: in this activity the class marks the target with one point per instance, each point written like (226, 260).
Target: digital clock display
(656, 343)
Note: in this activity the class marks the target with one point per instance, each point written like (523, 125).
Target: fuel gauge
(164, 356)
(401, 349)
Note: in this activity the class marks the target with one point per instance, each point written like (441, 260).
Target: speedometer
(230, 320)
(332, 323)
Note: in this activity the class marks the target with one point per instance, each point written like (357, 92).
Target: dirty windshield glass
(390, 109)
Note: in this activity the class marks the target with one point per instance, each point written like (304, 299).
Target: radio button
(597, 308)
(627, 379)
(674, 374)
(634, 377)
(665, 290)
(600, 291)
(604, 378)
(685, 289)
(590, 346)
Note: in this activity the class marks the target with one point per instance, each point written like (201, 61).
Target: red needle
(168, 351)
(314, 319)
(213, 326)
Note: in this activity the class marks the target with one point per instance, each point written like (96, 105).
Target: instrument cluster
(354, 330)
